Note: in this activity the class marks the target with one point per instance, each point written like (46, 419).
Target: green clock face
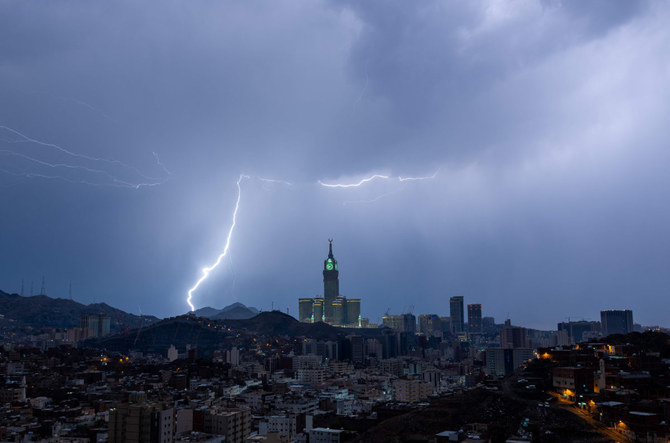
(329, 266)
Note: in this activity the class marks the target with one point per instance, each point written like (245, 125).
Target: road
(595, 424)
(568, 406)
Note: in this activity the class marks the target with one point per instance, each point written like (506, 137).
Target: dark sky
(125, 126)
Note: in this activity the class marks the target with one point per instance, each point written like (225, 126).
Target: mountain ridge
(234, 311)
(44, 311)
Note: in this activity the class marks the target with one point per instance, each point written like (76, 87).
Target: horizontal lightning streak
(429, 177)
(373, 177)
(116, 182)
(353, 185)
(270, 180)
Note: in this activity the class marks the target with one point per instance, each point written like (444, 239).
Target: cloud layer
(545, 121)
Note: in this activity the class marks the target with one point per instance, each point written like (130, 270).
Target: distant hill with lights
(44, 311)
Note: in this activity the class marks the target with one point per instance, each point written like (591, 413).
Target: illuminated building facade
(475, 318)
(305, 309)
(332, 308)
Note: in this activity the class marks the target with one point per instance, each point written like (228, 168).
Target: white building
(324, 435)
(233, 357)
(172, 353)
(284, 425)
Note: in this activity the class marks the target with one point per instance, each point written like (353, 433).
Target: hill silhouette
(209, 335)
(234, 311)
(44, 311)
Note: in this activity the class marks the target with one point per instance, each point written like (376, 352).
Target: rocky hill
(44, 311)
(236, 311)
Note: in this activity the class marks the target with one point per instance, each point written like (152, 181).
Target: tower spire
(330, 248)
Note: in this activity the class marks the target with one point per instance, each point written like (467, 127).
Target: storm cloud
(544, 122)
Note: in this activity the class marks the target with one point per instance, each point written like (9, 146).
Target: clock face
(329, 266)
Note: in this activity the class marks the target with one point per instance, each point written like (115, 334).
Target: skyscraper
(331, 283)
(475, 318)
(354, 312)
(332, 308)
(429, 324)
(616, 322)
(306, 310)
(456, 310)
(514, 337)
(318, 310)
(99, 324)
(339, 311)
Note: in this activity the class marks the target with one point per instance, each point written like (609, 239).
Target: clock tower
(331, 283)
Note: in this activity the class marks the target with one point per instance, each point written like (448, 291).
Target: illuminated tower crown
(330, 263)
(331, 283)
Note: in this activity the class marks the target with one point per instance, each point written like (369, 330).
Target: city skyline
(511, 154)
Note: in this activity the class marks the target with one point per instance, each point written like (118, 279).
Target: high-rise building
(456, 311)
(504, 361)
(331, 283)
(445, 325)
(140, 423)
(99, 324)
(338, 311)
(332, 308)
(319, 314)
(513, 337)
(576, 330)
(306, 310)
(616, 321)
(475, 318)
(400, 323)
(233, 423)
(357, 348)
(429, 324)
(354, 312)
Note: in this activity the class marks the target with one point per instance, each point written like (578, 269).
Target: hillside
(237, 311)
(207, 337)
(44, 311)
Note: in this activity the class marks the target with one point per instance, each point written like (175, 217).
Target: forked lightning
(206, 271)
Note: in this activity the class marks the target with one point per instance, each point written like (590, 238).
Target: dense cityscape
(318, 221)
(241, 376)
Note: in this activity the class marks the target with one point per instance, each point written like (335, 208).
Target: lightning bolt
(207, 270)
(428, 177)
(353, 185)
(115, 181)
(271, 180)
(374, 177)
